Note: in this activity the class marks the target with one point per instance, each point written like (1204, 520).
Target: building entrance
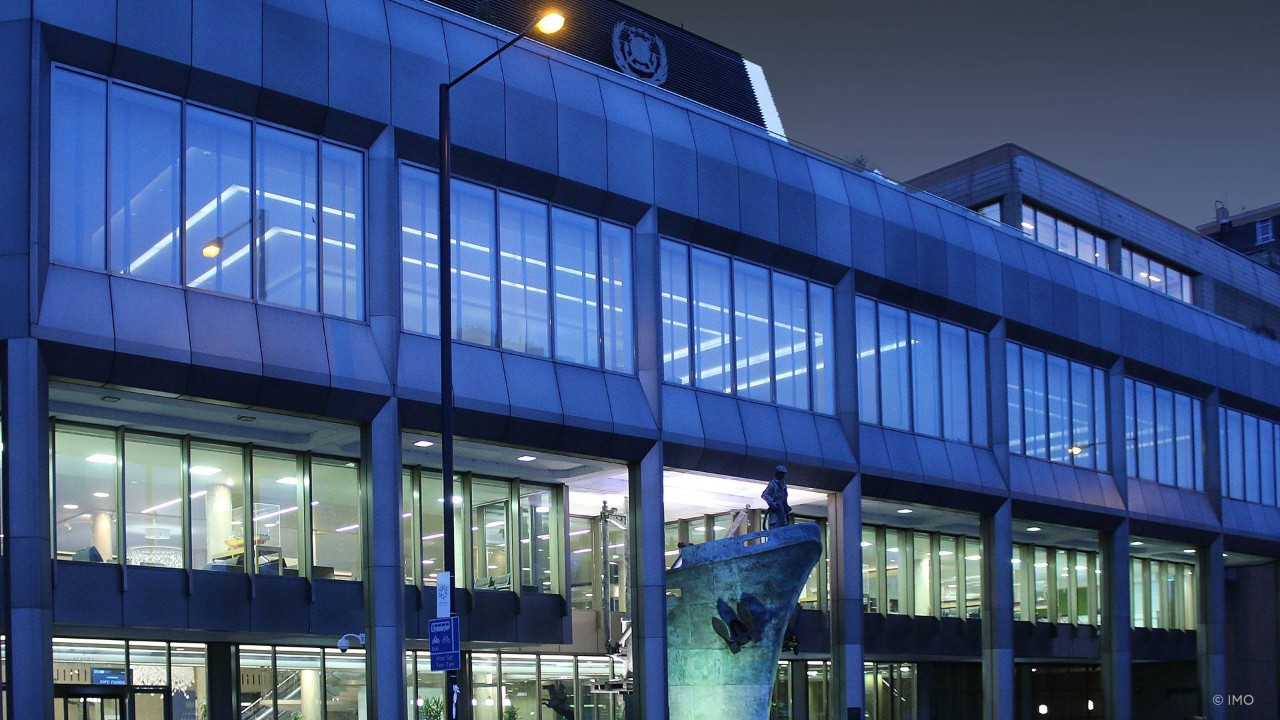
(111, 702)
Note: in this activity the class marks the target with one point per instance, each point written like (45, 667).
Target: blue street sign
(445, 651)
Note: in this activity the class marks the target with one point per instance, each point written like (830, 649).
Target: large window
(1056, 585)
(1250, 446)
(1151, 273)
(1162, 435)
(186, 189)
(735, 327)
(301, 682)
(941, 577)
(514, 539)
(1057, 408)
(920, 374)
(1264, 231)
(165, 500)
(1163, 594)
(525, 276)
(1063, 236)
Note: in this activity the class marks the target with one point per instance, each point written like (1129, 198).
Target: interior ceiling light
(423, 443)
(212, 249)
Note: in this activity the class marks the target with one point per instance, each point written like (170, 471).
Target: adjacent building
(1037, 424)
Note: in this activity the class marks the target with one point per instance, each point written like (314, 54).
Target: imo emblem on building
(639, 53)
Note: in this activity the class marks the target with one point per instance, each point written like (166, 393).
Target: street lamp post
(548, 23)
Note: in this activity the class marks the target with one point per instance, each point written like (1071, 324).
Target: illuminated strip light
(269, 515)
(348, 528)
(170, 503)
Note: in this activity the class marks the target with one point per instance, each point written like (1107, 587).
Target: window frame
(599, 221)
(254, 122)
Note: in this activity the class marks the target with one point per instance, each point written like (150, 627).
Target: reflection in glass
(78, 168)
(615, 297)
(674, 271)
(520, 690)
(751, 333)
(485, 702)
(712, 324)
(145, 196)
(868, 370)
(286, 234)
(892, 557)
(342, 248)
(299, 683)
(524, 295)
(420, 251)
(870, 572)
(923, 561)
(257, 682)
(949, 565)
(822, 331)
(218, 206)
(791, 341)
(472, 269)
(576, 307)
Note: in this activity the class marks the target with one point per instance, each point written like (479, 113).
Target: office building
(1037, 416)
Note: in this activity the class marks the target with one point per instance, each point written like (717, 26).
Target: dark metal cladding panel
(696, 68)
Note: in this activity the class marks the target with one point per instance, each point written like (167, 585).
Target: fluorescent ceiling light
(526, 458)
(423, 443)
(102, 459)
(288, 481)
(1033, 528)
(905, 511)
(204, 470)
(348, 528)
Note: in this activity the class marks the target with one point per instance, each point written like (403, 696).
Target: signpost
(445, 652)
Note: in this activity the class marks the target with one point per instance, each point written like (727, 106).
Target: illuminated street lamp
(549, 22)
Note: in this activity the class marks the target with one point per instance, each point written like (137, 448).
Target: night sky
(1171, 103)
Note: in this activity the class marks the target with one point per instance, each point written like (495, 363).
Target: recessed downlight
(905, 511)
(101, 494)
(526, 458)
(1136, 543)
(204, 470)
(71, 506)
(423, 443)
(288, 481)
(1033, 528)
(102, 459)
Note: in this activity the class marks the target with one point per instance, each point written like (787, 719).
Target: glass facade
(188, 187)
(1163, 437)
(301, 682)
(1056, 585)
(156, 672)
(180, 503)
(527, 277)
(890, 690)
(510, 686)
(1249, 446)
(1047, 229)
(514, 538)
(734, 327)
(1057, 408)
(920, 374)
(1149, 272)
(1163, 594)
(919, 573)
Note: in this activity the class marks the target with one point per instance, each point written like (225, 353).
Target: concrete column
(846, 601)
(27, 540)
(224, 681)
(648, 587)
(1011, 208)
(996, 532)
(1114, 448)
(1117, 658)
(384, 247)
(1211, 628)
(799, 690)
(998, 396)
(384, 573)
(1212, 456)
